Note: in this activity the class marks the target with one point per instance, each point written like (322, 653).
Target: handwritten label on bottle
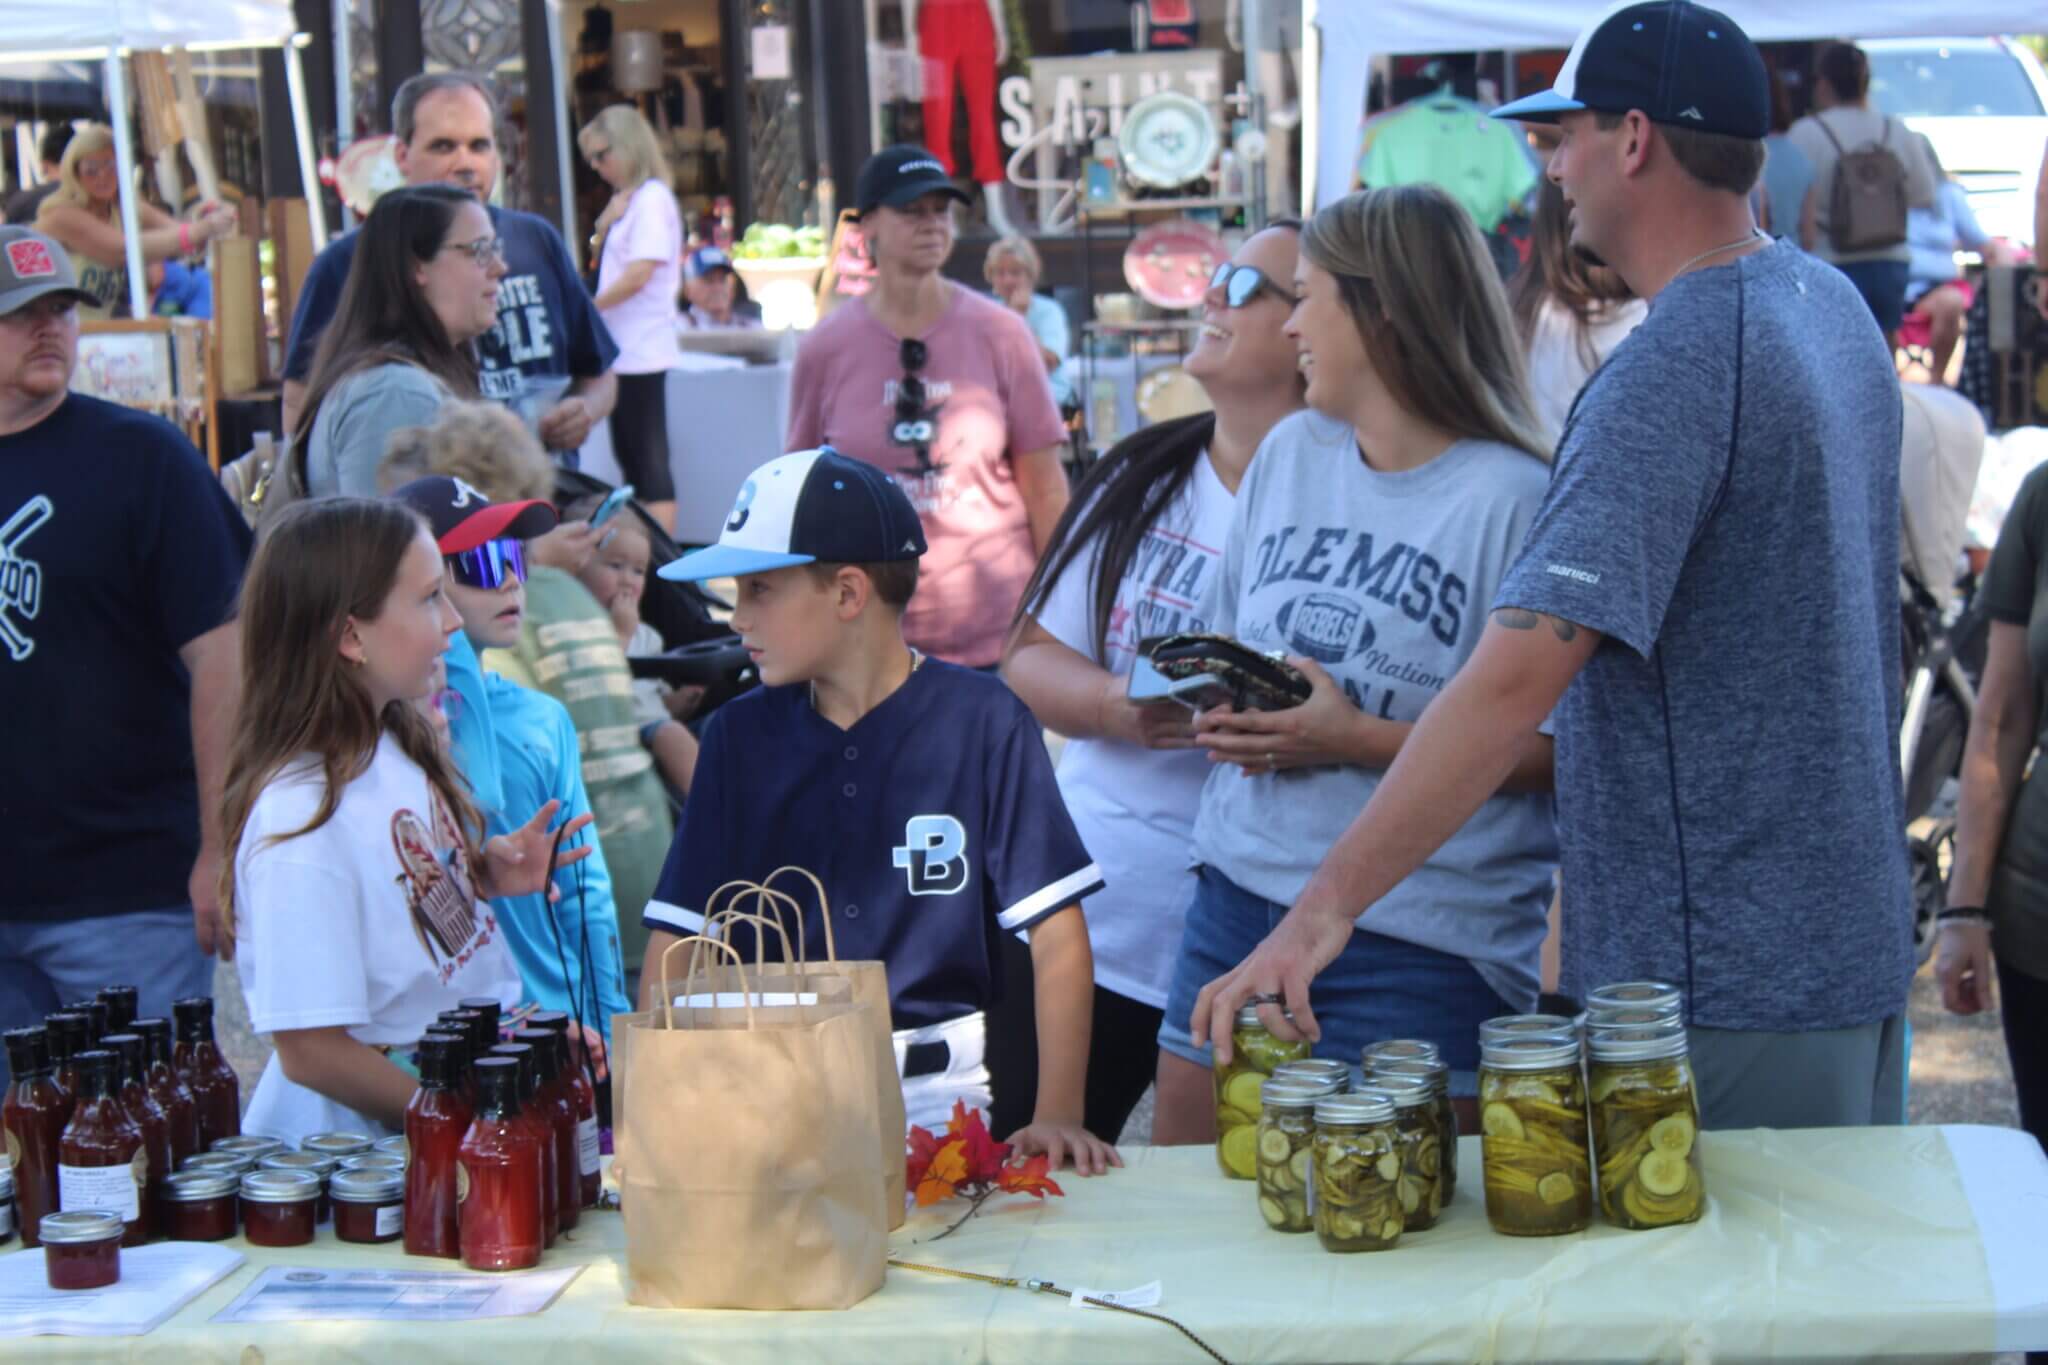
(106, 1189)
(586, 1146)
(390, 1220)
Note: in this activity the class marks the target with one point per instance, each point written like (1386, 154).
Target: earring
(360, 662)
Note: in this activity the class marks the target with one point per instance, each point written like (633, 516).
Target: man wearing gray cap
(120, 559)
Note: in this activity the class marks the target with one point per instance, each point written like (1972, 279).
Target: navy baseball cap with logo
(703, 261)
(813, 507)
(1680, 63)
(900, 175)
(34, 267)
(462, 518)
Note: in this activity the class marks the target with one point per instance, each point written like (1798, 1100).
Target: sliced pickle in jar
(1673, 1133)
(1239, 1150)
(1535, 1160)
(1271, 1208)
(1498, 1120)
(1274, 1146)
(1242, 1093)
(1647, 1128)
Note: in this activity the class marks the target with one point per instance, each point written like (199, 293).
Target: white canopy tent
(33, 31)
(1352, 32)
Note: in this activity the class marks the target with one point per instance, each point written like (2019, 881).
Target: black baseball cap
(899, 175)
(1681, 64)
(813, 507)
(462, 518)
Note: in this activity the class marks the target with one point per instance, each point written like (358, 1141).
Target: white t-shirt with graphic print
(370, 923)
(1135, 808)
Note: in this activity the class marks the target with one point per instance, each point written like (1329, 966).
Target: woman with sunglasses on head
(356, 868)
(422, 286)
(1133, 558)
(639, 249)
(1370, 534)
(945, 389)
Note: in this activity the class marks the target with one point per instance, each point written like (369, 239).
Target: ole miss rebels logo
(30, 259)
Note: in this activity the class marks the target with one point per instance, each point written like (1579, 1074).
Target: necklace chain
(1752, 236)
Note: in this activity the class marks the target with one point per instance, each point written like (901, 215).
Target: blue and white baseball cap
(1680, 63)
(813, 507)
(704, 260)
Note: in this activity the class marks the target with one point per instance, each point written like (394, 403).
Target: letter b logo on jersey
(933, 855)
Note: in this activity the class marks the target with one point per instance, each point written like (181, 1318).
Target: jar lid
(231, 1162)
(373, 1161)
(280, 1187)
(1437, 1074)
(1360, 1106)
(1248, 1016)
(1406, 1092)
(367, 1186)
(311, 1162)
(1526, 1025)
(249, 1145)
(79, 1225)
(189, 1185)
(1297, 1092)
(1401, 1050)
(1318, 1069)
(1624, 995)
(395, 1144)
(1529, 1054)
(1637, 1044)
(1629, 1018)
(337, 1144)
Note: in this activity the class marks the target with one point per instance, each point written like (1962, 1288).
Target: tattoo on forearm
(1516, 618)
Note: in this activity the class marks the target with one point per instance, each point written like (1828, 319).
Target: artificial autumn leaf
(943, 1176)
(957, 1125)
(1029, 1176)
(985, 1156)
(923, 1146)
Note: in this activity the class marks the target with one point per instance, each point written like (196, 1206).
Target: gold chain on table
(1048, 1287)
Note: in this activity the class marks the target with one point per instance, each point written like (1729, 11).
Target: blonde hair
(1018, 249)
(89, 140)
(1427, 301)
(631, 139)
(482, 444)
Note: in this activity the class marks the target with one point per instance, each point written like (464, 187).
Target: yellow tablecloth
(1820, 1245)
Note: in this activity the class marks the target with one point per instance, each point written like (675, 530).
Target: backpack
(1867, 201)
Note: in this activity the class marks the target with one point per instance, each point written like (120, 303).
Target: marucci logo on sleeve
(1586, 576)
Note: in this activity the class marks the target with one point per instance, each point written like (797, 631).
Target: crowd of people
(1526, 543)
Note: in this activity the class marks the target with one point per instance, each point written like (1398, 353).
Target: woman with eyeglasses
(83, 215)
(1133, 558)
(639, 250)
(356, 866)
(944, 388)
(422, 286)
(1371, 533)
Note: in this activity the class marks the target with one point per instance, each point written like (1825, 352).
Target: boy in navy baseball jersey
(920, 793)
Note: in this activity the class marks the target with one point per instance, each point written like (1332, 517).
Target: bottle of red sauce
(488, 1007)
(472, 1025)
(435, 1121)
(205, 1072)
(542, 1127)
(96, 1157)
(32, 1119)
(503, 1223)
(67, 1039)
(578, 1079)
(95, 1012)
(171, 1094)
(122, 1003)
(558, 1105)
(148, 1116)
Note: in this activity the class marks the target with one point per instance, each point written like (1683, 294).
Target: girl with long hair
(1569, 311)
(1133, 557)
(355, 872)
(422, 285)
(1370, 534)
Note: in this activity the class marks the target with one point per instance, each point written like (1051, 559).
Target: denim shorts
(1883, 286)
(1378, 987)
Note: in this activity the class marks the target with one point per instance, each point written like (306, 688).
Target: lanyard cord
(1048, 1287)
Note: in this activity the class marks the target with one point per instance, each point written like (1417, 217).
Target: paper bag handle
(728, 918)
(824, 906)
(668, 996)
(740, 887)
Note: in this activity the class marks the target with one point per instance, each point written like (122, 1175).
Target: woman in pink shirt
(944, 388)
(639, 246)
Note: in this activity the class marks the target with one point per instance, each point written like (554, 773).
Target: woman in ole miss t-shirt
(354, 884)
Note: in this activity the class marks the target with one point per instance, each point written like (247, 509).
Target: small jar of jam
(337, 1145)
(199, 1206)
(369, 1205)
(320, 1167)
(248, 1145)
(81, 1249)
(280, 1208)
(373, 1161)
(234, 1165)
(393, 1146)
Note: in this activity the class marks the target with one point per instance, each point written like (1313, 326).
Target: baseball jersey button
(849, 789)
(851, 753)
(853, 912)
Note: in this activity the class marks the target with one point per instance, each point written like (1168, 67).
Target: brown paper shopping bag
(746, 1162)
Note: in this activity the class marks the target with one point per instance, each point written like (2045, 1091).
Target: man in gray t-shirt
(1708, 590)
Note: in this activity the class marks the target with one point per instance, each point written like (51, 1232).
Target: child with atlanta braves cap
(920, 793)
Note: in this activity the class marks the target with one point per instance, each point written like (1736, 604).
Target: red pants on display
(957, 40)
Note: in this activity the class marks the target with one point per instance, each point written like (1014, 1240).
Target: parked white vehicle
(1983, 103)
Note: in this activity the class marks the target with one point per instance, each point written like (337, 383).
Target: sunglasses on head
(490, 565)
(1243, 283)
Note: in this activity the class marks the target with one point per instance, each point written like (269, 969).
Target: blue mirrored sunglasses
(1243, 283)
(490, 564)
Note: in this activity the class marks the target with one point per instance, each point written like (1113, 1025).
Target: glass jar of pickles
(1438, 1074)
(1254, 1053)
(1356, 1165)
(1287, 1130)
(1420, 1187)
(1646, 1123)
(1532, 1125)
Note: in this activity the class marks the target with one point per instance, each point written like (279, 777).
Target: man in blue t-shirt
(120, 559)
(1708, 600)
(550, 349)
